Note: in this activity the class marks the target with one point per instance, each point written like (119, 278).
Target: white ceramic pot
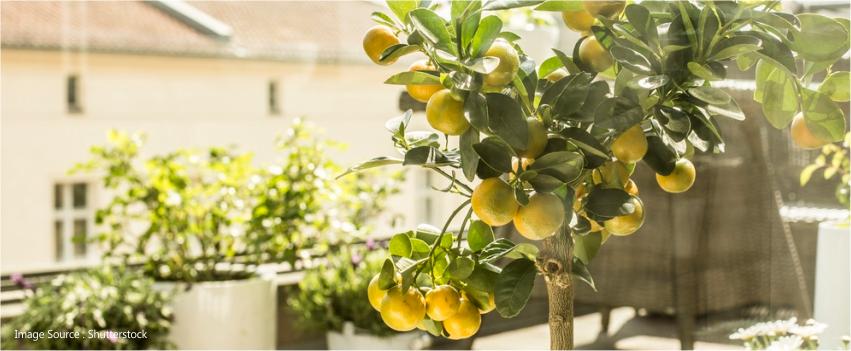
(833, 283)
(233, 314)
(348, 339)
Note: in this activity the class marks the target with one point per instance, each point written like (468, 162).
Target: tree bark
(555, 262)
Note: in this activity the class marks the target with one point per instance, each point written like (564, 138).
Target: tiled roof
(284, 30)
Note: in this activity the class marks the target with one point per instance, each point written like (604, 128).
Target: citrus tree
(550, 146)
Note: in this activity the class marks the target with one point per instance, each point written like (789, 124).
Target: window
(274, 104)
(73, 218)
(72, 94)
(424, 193)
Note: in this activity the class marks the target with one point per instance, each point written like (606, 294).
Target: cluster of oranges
(590, 51)
(407, 310)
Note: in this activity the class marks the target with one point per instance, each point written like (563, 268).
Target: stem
(440, 236)
(555, 262)
(451, 178)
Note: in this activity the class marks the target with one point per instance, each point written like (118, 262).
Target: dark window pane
(57, 196)
(58, 243)
(79, 238)
(72, 90)
(79, 191)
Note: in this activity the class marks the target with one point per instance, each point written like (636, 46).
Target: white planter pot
(234, 314)
(833, 283)
(349, 340)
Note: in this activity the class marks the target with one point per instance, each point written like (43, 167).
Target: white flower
(173, 199)
(786, 343)
(810, 330)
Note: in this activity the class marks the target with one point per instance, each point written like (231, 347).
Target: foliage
(781, 335)
(193, 215)
(102, 299)
(663, 57)
(834, 163)
(335, 292)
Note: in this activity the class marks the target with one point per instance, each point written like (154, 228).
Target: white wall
(178, 102)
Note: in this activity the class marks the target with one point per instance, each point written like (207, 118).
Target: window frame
(68, 215)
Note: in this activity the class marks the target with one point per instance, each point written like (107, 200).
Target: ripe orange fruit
(631, 145)
(446, 114)
(402, 311)
(509, 63)
(541, 217)
(680, 180)
(802, 136)
(464, 323)
(627, 224)
(594, 55)
(376, 40)
(537, 140)
(608, 9)
(493, 202)
(579, 21)
(422, 92)
(375, 293)
(442, 302)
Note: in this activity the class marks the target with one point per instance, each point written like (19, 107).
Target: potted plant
(202, 223)
(332, 297)
(109, 307)
(833, 266)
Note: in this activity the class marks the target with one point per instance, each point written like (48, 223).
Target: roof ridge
(194, 17)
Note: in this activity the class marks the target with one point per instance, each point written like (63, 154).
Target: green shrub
(334, 292)
(95, 301)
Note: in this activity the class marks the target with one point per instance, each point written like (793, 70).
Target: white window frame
(67, 214)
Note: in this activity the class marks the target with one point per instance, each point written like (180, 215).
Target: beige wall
(178, 102)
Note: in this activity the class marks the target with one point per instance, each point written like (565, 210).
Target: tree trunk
(554, 261)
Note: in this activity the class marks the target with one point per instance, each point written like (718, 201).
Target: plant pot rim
(836, 224)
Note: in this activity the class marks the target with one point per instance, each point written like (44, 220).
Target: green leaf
(632, 60)
(401, 8)
(702, 71)
(595, 153)
(563, 165)
(514, 286)
(618, 114)
(730, 110)
(580, 270)
(387, 277)
(419, 245)
(567, 62)
(382, 18)
(483, 65)
(476, 111)
(495, 154)
(609, 202)
(496, 249)
(506, 120)
(643, 23)
(549, 65)
(425, 155)
(823, 116)
(807, 173)
(560, 5)
(710, 95)
(375, 162)
(820, 39)
(400, 245)
(775, 89)
(416, 77)
(493, 5)
(461, 267)
(734, 46)
(483, 277)
(544, 183)
(396, 51)
(836, 86)
(433, 28)
(586, 246)
(479, 235)
(469, 157)
(487, 32)
(659, 156)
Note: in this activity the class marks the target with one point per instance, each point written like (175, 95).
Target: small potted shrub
(102, 308)
(333, 297)
(833, 266)
(202, 222)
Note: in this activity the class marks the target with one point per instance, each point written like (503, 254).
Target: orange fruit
(541, 217)
(509, 63)
(442, 302)
(402, 311)
(627, 224)
(493, 202)
(579, 21)
(446, 114)
(537, 140)
(376, 40)
(422, 92)
(464, 323)
(680, 180)
(608, 9)
(595, 55)
(630, 146)
(802, 136)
